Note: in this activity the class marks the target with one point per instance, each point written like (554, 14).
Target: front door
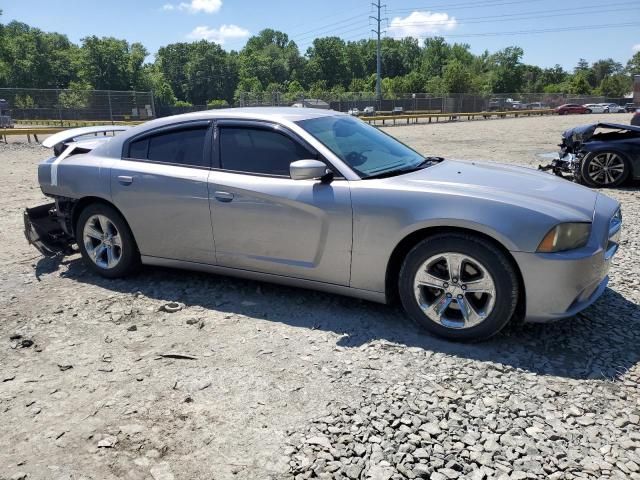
(160, 186)
(264, 221)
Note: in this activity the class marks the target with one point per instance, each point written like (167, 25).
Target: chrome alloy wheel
(606, 168)
(454, 290)
(102, 241)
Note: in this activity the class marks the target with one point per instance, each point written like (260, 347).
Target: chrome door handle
(125, 180)
(225, 197)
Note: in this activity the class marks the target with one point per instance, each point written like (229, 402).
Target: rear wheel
(588, 110)
(459, 287)
(603, 169)
(106, 242)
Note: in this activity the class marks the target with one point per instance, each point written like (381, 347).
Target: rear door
(263, 220)
(160, 186)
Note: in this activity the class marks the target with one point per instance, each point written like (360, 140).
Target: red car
(572, 108)
(635, 120)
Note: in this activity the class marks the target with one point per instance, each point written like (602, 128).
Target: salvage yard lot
(256, 381)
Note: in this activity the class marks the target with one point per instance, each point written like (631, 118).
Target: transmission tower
(378, 31)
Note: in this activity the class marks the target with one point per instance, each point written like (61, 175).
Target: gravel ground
(255, 381)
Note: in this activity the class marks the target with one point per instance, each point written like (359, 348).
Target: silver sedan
(321, 200)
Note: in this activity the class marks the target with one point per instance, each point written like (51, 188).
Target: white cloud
(421, 24)
(195, 6)
(219, 35)
(636, 48)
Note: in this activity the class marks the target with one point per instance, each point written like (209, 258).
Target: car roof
(292, 114)
(274, 114)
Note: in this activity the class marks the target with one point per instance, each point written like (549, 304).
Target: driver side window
(257, 150)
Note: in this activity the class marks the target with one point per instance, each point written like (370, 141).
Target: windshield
(368, 151)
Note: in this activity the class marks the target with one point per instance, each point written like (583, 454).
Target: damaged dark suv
(599, 155)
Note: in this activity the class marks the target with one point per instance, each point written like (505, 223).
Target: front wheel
(458, 286)
(588, 111)
(106, 242)
(603, 169)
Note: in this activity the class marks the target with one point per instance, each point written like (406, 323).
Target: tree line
(202, 72)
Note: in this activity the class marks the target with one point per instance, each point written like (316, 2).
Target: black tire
(129, 259)
(492, 259)
(586, 165)
(588, 111)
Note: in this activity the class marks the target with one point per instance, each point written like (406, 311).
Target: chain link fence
(71, 104)
(68, 105)
(422, 102)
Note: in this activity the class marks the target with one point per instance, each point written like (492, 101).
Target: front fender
(382, 221)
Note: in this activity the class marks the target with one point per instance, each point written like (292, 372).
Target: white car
(354, 111)
(596, 108)
(613, 108)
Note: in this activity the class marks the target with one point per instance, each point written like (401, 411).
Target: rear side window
(255, 150)
(182, 147)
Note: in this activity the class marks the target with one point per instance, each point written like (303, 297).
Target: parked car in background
(397, 111)
(596, 108)
(500, 104)
(570, 108)
(613, 108)
(369, 111)
(5, 118)
(354, 111)
(517, 105)
(599, 155)
(538, 106)
(321, 200)
(631, 107)
(635, 120)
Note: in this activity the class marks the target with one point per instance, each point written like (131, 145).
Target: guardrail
(9, 132)
(76, 123)
(386, 120)
(414, 119)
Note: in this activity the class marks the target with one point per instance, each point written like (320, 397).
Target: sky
(549, 31)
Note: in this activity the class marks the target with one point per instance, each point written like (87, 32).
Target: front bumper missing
(564, 166)
(43, 230)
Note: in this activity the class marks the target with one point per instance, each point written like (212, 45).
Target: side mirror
(307, 170)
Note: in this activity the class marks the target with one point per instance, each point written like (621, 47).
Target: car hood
(576, 136)
(518, 186)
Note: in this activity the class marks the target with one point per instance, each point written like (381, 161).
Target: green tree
(328, 62)
(456, 78)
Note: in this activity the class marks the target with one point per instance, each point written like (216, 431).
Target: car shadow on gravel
(600, 343)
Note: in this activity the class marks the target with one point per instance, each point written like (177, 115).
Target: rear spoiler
(72, 134)
(64, 143)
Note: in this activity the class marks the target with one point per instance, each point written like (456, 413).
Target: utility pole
(378, 32)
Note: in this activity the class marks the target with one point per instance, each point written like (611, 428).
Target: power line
(467, 5)
(516, 16)
(527, 32)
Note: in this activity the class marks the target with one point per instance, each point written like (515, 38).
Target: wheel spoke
(99, 252)
(93, 232)
(482, 285)
(454, 265)
(441, 305)
(469, 313)
(426, 279)
(117, 241)
(110, 257)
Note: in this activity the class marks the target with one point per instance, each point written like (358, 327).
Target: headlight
(565, 236)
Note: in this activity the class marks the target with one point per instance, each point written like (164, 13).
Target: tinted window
(139, 149)
(255, 150)
(184, 147)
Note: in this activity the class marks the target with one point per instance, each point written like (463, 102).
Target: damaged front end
(46, 227)
(567, 165)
